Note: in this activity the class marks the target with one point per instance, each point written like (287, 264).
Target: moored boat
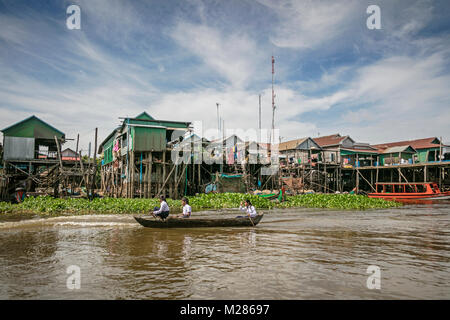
(274, 196)
(405, 190)
(175, 222)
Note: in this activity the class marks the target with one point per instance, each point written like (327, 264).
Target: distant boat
(175, 222)
(405, 190)
(273, 196)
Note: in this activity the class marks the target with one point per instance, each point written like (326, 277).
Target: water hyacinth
(46, 205)
(6, 207)
(337, 201)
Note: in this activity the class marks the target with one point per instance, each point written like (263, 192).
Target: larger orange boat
(405, 190)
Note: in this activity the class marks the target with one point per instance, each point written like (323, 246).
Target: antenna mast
(273, 96)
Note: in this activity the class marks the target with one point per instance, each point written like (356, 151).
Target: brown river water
(291, 254)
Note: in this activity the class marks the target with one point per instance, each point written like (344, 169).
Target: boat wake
(73, 221)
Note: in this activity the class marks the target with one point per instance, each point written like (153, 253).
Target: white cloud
(307, 24)
(399, 97)
(12, 30)
(388, 98)
(238, 108)
(234, 56)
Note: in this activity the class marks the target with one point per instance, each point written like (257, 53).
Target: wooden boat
(269, 196)
(175, 222)
(405, 190)
(273, 196)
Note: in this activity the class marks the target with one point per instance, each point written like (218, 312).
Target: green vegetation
(337, 201)
(6, 207)
(50, 206)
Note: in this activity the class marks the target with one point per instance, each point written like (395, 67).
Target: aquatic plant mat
(46, 205)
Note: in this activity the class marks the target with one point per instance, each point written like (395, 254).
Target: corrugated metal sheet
(290, 145)
(298, 144)
(33, 127)
(427, 143)
(398, 149)
(346, 152)
(330, 140)
(17, 148)
(162, 123)
(148, 139)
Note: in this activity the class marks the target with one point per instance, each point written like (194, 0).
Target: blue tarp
(231, 176)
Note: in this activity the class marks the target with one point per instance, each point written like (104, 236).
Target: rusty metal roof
(291, 144)
(330, 140)
(425, 143)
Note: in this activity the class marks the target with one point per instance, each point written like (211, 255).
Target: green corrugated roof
(145, 116)
(149, 124)
(33, 127)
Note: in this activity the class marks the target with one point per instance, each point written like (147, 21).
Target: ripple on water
(292, 254)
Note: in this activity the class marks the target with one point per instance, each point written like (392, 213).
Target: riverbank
(51, 206)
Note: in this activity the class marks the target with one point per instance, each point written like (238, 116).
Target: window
(410, 188)
(421, 188)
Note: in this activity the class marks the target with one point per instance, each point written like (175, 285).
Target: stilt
(164, 173)
(150, 165)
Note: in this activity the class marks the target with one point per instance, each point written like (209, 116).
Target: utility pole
(223, 129)
(273, 96)
(78, 140)
(76, 151)
(95, 166)
(223, 148)
(88, 176)
(259, 126)
(218, 121)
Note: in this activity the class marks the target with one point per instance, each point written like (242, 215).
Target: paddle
(153, 215)
(251, 220)
(249, 217)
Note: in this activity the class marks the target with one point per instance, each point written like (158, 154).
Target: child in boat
(249, 208)
(187, 210)
(163, 210)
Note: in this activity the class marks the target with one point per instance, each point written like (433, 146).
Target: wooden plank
(95, 165)
(164, 172)
(59, 153)
(370, 185)
(150, 175)
(145, 176)
(165, 181)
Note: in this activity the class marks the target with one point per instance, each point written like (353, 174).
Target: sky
(177, 59)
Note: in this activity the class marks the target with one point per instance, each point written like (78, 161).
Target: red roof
(330, 140)
(416, 144)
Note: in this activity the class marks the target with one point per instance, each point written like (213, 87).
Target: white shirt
(164, 207)
(250, 210)
(187, 210)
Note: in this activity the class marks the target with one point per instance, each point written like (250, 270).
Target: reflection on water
(291, 254)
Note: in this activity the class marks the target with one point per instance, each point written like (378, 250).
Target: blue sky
(176, 59)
